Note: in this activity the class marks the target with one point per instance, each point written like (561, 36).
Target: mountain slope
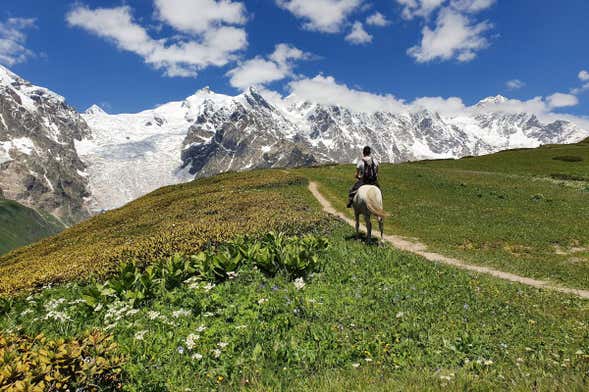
(21, 226)
(130, 154)
(39, 165)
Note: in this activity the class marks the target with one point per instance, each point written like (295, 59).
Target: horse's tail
(374, 203)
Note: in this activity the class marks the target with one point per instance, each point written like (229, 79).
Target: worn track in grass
(420, 249)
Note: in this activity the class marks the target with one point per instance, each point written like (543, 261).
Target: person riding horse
(366, 174)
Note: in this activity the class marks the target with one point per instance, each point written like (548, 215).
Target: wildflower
(140, 335)
(579, 352)
(180, 350)
(196, 356)
(222, 344)
(487, 362)
(98, 307)
(59, 316)
(216, 353)
(132, 312)
(400, 314)
(201, 328)
(240, 326)
(152, 315)
(299, 283)
(520, 360)
(191, 341)
(356, 365)
(262, 301)
(25, 312)
(208, 314)
(209, 286)
(368, 359)
(231, 275)
(181, 313)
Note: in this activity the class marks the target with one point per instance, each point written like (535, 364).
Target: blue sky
(129, 55)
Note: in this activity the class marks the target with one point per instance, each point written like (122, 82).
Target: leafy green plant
(42, 364)
(273, 252)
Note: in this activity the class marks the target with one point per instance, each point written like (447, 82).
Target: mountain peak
(95, 109)
(497, 99)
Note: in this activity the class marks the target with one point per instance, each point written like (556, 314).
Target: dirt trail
(421, 250)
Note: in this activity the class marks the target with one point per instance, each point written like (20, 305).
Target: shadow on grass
(374, 241)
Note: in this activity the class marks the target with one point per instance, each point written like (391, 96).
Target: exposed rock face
(39, 165)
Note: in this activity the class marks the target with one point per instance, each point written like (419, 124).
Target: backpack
(370, 173)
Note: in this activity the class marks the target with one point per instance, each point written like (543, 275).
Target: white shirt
(362, 162)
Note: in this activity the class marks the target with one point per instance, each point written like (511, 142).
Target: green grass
(21, 226)
(406, 323)
(509, 210)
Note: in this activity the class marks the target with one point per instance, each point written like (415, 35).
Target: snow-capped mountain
(39, 165)
(53, 158)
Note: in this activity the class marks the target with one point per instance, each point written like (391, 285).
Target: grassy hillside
(20, 225)
(521, 211)
(182, 218)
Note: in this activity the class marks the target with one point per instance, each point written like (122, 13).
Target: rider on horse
(366, 174)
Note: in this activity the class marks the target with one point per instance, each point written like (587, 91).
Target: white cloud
(454, 36)
(325, 90)
(259, 71)
(559, 100)
(199, 16)
(514, 84)
(12, 40)
(358, 36)
(451, 106)
(584, 76)
(419, 8)
(327, 16)
(182, 57)
(377, 19)
(471, 6)
(581, 89)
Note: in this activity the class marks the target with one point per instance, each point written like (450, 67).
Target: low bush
(567, 177)
(568, 158)
(42, 364)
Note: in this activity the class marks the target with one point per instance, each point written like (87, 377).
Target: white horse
(368, 201)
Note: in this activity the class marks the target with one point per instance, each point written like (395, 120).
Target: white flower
(222, 344)
(191, 341)
(140, 335)
(400, 315)
(59, 316)
(299, 283)
(231, 275)
(25, 312)
(356, 365)
(201, 328)
(152, 315)
(262, 301)
(132, 312)
(181, 313)
(98, 307)
(487, 362)
(368, 359)
(216, 353)
(208, 314)
(209, 286)
(196, 356)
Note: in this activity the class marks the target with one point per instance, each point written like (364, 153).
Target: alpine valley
(73, 165)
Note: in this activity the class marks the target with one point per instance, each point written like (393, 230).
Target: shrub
(567, 177)
(41, 364)
(568, 158)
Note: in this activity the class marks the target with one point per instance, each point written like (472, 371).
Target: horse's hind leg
(357, 224)
(368, 227)
(381, 227)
